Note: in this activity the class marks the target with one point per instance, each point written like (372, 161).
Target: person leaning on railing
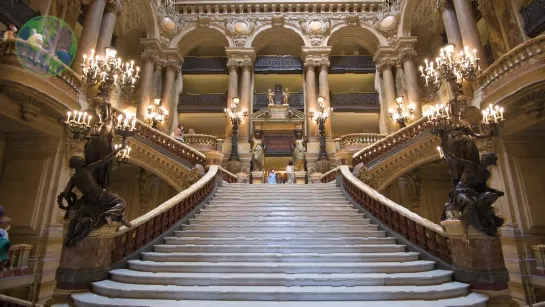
(5, 224)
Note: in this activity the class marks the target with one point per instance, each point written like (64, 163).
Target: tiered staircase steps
(280, 246)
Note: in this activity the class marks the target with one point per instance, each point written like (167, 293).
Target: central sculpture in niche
(279, 96)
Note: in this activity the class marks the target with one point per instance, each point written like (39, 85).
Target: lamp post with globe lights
(236, 116)
(320, 117)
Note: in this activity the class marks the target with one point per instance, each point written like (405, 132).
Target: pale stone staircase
(280, 245)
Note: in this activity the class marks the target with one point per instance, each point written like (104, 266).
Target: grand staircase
(280, 245)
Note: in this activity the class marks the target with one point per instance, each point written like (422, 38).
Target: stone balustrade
(150, 226)
(17, 264)
(9, 301)
(201, 142)
(523, 55)
(392, 142)
(359, 140)
(170, 146)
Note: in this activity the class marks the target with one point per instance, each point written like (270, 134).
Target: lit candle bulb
(89, 120)
(79, 117)
(501, 113)
(133, 124)
(68, 115)
(137, 70)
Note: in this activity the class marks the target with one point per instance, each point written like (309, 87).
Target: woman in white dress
(291, 174)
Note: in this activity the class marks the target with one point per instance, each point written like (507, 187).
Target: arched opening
(356, 46)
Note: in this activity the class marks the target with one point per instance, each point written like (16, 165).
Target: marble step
(229, 223)
(277, 233)
(318, 256)
(271, 219)
(265, 198)
(298, 214)
(282, 229)
(298, 210)
(278, 203)
(264, 293)
(173, 246)
(281, 241)
(287, 268)
(288, 280)
(88, 299)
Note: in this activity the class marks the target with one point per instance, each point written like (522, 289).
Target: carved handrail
(417, 230)
(170, 145)
(521, 55)
(153, 224)
(17, 264)
(228, 176)
(360, 139)
(390, 142)
(330, 176)
(201, 141)
(67, 75)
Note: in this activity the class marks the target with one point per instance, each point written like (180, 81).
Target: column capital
(316, 56)
(406, 54)
(385, 64)
(172, 59)
(240, 57)
(114, 6)
(150, 54)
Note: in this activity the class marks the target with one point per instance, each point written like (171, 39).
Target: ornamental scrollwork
(240, 29)
(315, 28)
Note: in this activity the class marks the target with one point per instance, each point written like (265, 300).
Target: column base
(257, 177)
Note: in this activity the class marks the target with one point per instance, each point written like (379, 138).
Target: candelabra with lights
(400, 115)
(157, 114)
(320, 117)
(236, 116)
(454, 69)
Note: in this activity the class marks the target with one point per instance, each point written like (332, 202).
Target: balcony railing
(204, 65)
(17, 264)
(202, 103)
(352, 64)
(278, 64)
(534, 18)
(201, 142)
(524, 54)
(355, 102)
(359, 140)
(16, 12)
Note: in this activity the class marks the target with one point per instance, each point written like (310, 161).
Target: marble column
(451, 23)
(149, 58)
(385, 68)
(112, 10)
(245, 98)
(89, 32)
(411, 81)
(42, 6)
(323, 85)
(232, 91)
(311, 100)
(468, 28)
(172, 67)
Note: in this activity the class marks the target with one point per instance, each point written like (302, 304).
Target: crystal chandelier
(156, 113)
(400, 115)
(109, 72)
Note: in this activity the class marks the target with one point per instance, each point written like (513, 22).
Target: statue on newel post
(96, 207)
(470, 199)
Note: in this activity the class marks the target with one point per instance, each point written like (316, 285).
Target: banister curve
(387, 202)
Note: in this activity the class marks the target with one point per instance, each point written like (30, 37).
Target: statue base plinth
(257, 177)
(86, 262)
(300, 177)
(316, 178)
(478, 261)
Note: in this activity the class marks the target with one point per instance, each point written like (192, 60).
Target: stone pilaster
(111, 12)
(469, 30)
(406, 59)
(89, 33)
(384, 68)
(172, 65)
(150, 56)
(232, 90)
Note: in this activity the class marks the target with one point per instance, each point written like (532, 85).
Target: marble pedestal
(479, 262)
(257, 177)
(86, 262)
(300, 177)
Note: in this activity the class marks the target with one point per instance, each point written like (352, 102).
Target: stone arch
(193, 36)
(150, 18)
(364, 35)
(144, 165)
(264, 34)
(400, 171)
(406, 17)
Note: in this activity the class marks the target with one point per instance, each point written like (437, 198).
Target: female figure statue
(258, 153)
(299, 149)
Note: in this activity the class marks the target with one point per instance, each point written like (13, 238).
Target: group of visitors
(178, 133)
(289, 170)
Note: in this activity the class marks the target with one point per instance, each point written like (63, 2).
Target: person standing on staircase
(291, 174)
